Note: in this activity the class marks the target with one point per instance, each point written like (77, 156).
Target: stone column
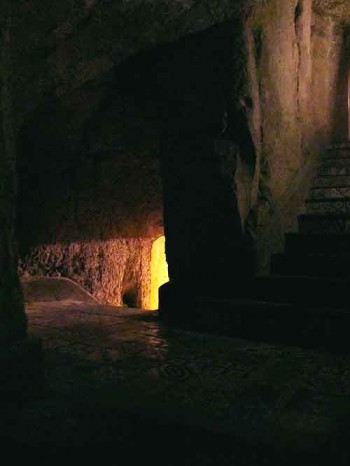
(202, 222)
(206, 137)
(12, 316)
(206, 249)
(20, 356)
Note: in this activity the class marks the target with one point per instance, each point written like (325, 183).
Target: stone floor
(123, 388)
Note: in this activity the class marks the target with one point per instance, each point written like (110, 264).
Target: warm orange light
(159, 270)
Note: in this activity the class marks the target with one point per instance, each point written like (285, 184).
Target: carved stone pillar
(206, 250)
(20, 356)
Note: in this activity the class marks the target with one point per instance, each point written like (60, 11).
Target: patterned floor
(102, 360)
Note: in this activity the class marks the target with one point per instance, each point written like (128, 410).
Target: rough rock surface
(98, 90)
(113, 271)
(339, 9)
(55, 289)
(293, 68)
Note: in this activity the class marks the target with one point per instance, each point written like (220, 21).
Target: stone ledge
(320, 326)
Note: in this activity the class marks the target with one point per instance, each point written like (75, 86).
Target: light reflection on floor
(103, 361)
(196, 377)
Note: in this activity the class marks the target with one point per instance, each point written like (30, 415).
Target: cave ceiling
(62, 47)
(70, 48)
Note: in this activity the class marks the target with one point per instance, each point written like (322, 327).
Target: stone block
(328, 206)
(314, 223)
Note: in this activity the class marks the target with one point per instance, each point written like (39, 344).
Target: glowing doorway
(159, 270)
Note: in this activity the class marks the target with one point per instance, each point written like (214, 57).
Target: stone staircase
(321, 248)
(306, 299)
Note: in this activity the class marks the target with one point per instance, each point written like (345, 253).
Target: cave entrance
(159, 270)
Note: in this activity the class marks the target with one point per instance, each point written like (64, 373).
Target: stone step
(329, 193)
(322, 328)
(339, 146)
(334, 161)
(299, 322)
(297, 243)
(333, 170)
(319, 265)
(336, 154)
(297, 290)
(328, 206)
(319, 223)
(333, 181)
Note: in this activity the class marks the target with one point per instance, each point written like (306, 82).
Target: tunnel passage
(195, 88)
(94, 170)
(72, 157)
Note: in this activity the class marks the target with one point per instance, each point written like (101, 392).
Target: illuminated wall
(159, 270)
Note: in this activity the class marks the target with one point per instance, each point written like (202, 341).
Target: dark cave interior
(185, 138)
(218, 130)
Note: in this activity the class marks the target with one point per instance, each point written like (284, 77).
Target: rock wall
(294, 61)
(220, 109)
(114, 271)
(85, 213)
(104, 183)
(12, 317)
(88, 158)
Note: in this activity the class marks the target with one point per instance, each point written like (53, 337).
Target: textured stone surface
(118, 379)
(329, 193)
(320, 223)
(118, 129)
(114, 271)
(322, 246)
(328, 206)
(55, 289)
(332, 181)
(101, 88)
(12, 318)
(337, 8)
(295, 97)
